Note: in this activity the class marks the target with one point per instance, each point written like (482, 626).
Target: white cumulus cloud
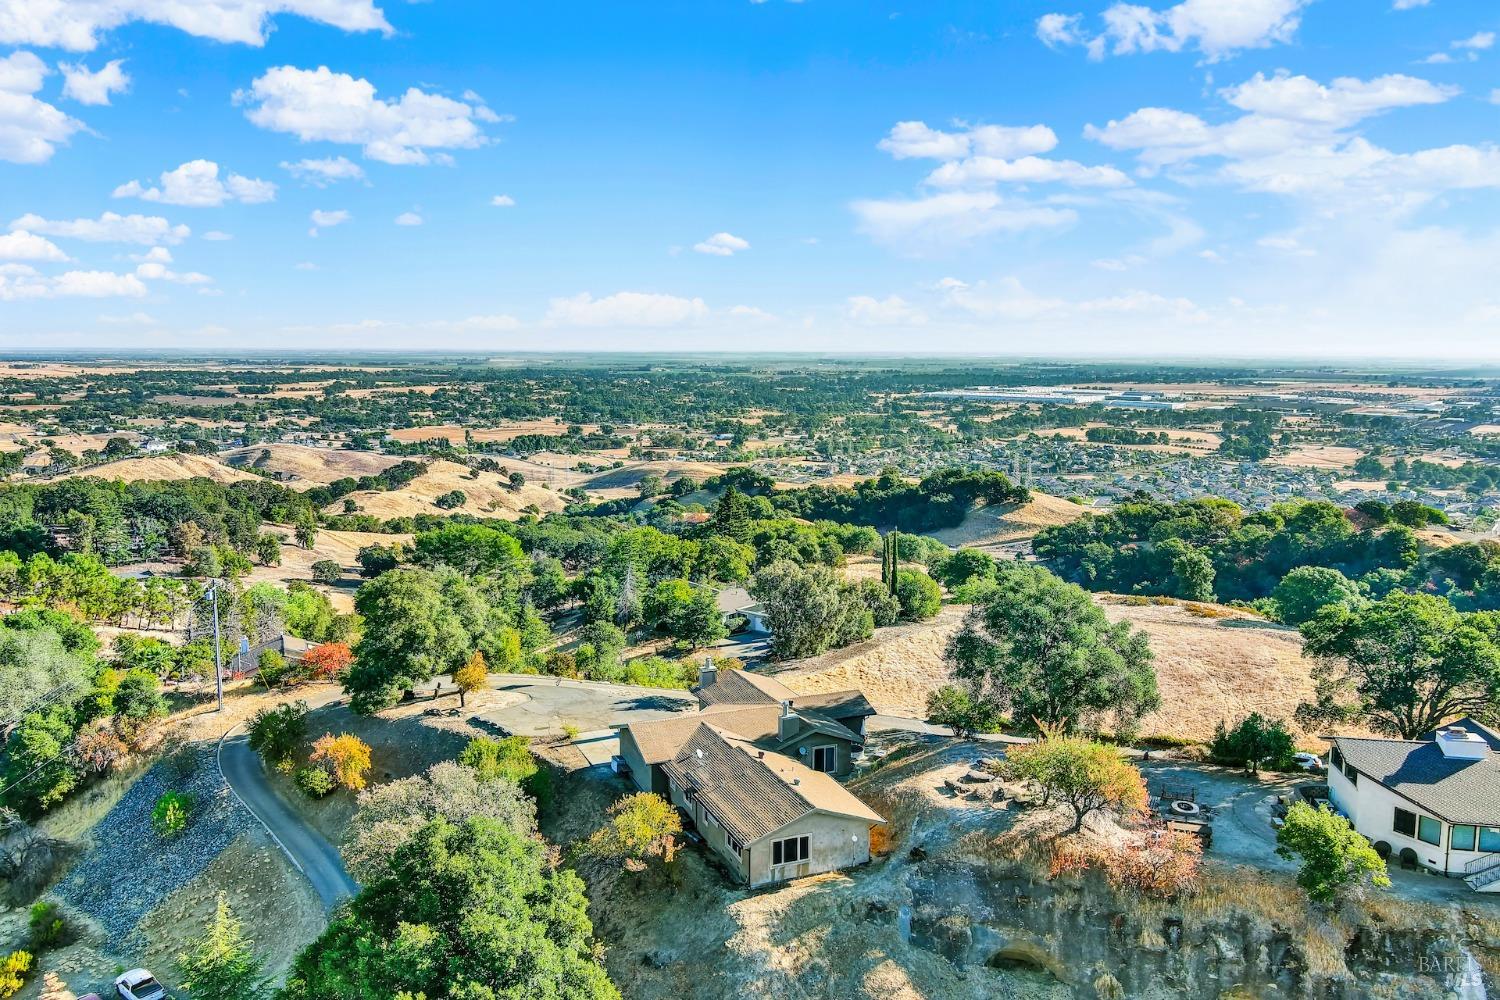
(503, 201)
(21, 245)
(18, 282)
(409, 219)
(88, 86)
(323, 172)
(324, 219)
(78, 24)
(722, 245)
(30, 129)
(625, 309)
(197, 184)
(319, 105)
(1297, 138)
(1217, 28)
(893, 310)
(147, 230)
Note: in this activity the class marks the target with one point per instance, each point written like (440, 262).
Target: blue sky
(1232, 177)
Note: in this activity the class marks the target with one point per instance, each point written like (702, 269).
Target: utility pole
(213, 592)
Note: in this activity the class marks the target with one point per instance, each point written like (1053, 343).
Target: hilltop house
(735, 603)
(1433, 802)
(754, 769)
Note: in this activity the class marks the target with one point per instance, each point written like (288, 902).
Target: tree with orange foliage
(471, 676)
(345, 757)
(328, 661)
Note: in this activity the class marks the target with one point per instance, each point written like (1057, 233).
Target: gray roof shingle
(1459, 791)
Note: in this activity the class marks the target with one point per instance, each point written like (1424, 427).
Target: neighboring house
(1433, 802)
(247, 660)
(736, 602)
(755, 761)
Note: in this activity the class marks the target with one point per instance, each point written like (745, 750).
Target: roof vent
(699, 752)
(1458, 743)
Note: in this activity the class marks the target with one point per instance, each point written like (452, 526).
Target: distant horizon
(1346, 364)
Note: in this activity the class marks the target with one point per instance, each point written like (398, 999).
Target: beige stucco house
(767, 816)
(755, 771)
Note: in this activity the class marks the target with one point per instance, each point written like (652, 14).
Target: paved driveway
(549, 703)
(314, 856)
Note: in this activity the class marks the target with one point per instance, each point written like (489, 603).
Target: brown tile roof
(741, 687)
(755, 793)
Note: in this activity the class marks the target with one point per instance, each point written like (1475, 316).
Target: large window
(1406, 822)
(825, 759)
(1335, 759)
(1429, 830)
(1461, 838)
(784, 852)
(1489, 838)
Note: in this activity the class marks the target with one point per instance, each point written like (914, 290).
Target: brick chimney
(788, 724)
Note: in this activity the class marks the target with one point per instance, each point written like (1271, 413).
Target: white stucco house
(1433, 802)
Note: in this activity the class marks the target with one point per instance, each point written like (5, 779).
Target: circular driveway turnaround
(314, 856)
(549, 703)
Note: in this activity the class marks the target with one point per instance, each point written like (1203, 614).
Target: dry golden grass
(997, 525)
(166, 467)
(1213, 663)
(311, 465)
(488, 493)
(1318, 456)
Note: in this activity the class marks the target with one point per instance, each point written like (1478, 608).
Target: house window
(826, 759)
(1489, 839)
(1429, 830)
(784, 852)
(1336, 759)
(1461, 838)
(1406, 822)
(1351, 773)
(733, 845)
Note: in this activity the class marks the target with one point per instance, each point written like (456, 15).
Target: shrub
(954, 707)
(509, 759)
(278, 733)
(170, 814)
(329, 661)
(1254, 743)
(346, 757)
(272, 668)
(13, 972)
(1084, 775)
(471, 676)
(315, 781)
(47, 926)
(1336, 860)
(642, 828)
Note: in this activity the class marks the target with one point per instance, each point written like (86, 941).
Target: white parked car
(138, 984)
(1309, 761)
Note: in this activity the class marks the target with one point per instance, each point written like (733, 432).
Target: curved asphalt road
(314, 856)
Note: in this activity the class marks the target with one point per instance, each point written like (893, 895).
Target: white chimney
(708, 673)
(1460, 744)
(787, 725)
